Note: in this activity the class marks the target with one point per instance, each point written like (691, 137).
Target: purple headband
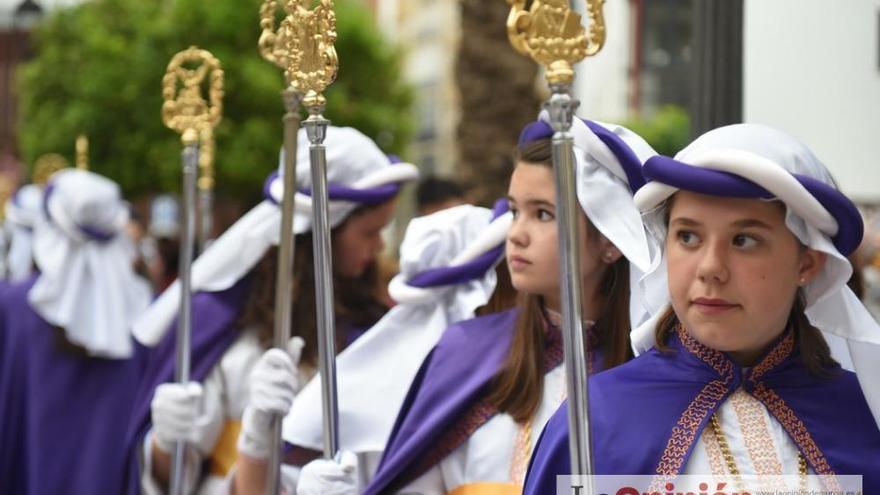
(472, 270)
(680, 175)
(90, 232)
(336, 192)
(630, 163)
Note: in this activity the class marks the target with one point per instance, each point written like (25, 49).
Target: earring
(607, 256)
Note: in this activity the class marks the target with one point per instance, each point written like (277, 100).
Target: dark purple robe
(63, 414)
(647, 415)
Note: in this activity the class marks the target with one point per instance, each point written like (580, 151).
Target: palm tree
(498, 93)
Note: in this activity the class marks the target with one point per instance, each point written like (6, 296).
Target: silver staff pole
(184, 325)
(284, 278)
(187, 112)
(274, 47)
(552, 34)
(313, 69)
(316, 127)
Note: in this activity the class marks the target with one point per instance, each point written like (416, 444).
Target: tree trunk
(498, 97)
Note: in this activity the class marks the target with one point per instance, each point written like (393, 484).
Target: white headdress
(87, 284)
(448, 257)
(357, 173)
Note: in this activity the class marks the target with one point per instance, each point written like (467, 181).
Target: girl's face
(734, 269)
(532, 242)
(359, 241)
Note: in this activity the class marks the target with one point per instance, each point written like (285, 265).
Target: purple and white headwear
(87, 283)
(755, 161)
(609, 160)
(23, 210)
(358, 173)
(447, 262)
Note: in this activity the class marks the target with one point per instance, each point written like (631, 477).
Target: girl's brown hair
(518, 388)
(357, 300)
(504, 295)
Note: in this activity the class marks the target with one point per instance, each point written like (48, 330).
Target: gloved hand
(323, 477)
(274, 383)
(175, 409)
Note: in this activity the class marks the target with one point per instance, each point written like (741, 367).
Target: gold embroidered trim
(713, 449)
(522, 452)
(688, 426)
(716, 359)
(781, 351)
(756, 434)
(795, 428)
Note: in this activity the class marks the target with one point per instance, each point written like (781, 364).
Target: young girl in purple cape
(474, 409)
(739, 376)
(233, 318)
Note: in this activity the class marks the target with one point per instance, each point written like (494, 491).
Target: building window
(664, 44)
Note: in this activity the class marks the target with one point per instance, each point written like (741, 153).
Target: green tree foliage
(668, 131)
(98, 70)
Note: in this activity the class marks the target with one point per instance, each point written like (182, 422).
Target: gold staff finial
(45, 166)
(309, 39)
(82, 152)
(273, 38)
(552, 34)
(185, 109)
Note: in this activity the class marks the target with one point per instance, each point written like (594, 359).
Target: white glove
(323, 477)
(175, 408)
(274, 383)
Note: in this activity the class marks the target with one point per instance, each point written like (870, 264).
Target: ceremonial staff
(82, 152)
(187, 112)
(552, 34)
(313, 67)
(205, 185)
(274, 47)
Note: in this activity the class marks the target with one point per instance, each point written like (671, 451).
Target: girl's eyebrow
(533, 202)
(540, 203)
(740, 224)
(688, 222)
(751, 222)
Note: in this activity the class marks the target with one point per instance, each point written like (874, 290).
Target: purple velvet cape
(639, 414)
(454, 376)
(63, 414)
(213, 322)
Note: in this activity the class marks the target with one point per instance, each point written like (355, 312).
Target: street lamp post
(26, 15)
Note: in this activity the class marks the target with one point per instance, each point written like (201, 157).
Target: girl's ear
(608, 252)
(812, 262)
